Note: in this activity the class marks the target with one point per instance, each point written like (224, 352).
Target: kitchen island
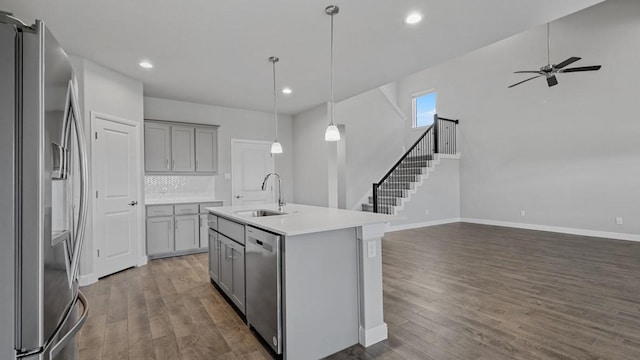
(329, 271)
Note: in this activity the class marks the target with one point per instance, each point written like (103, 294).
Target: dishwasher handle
(261, 244)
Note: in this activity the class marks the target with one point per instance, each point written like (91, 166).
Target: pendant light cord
(332, 104)
(275, 103)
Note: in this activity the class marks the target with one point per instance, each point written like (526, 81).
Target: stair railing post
(435, 133)
(375, 197)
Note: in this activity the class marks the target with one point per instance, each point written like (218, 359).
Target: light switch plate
(227, 176)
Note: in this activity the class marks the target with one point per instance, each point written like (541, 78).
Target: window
(424, 108)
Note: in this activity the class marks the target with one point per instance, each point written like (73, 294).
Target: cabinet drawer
(186, 209)
(213, 221)
(159, 210)
(231, 229)
(209, 204)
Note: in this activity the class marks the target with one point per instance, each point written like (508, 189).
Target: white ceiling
(215, 52)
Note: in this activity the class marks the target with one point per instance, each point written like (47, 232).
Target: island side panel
(373, 329)
(320, 286)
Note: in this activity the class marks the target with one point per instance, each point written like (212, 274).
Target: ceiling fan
(549, 71)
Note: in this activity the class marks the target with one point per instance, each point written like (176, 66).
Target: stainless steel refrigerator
(43, 196)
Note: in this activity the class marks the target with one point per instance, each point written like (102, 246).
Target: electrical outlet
(523, 213)
(371, 249)
(619, 220)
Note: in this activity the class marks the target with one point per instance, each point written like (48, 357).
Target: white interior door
(251, 161)
(116, 169)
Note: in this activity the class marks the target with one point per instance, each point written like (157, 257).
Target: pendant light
(276, 148)
(332, 133)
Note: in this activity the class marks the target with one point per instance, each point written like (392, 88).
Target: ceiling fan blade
(528, 72)
(584, 68)
(569, 61)
(552, 81)
(518, 83)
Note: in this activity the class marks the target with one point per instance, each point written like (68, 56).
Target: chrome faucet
(281, 202)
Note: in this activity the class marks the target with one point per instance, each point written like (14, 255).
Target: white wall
(105, 91)
(438, 199)
(310, 160)
(373, 141)
(234, 124)
(567, 155)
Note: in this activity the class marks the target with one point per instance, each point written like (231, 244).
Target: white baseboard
(393, 228)
(558, 229)
(368, 337)
(88, 279)
(142, 261)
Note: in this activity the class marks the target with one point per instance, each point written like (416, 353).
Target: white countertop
(177, 200)
(301, 219)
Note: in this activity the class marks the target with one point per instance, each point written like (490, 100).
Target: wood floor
(456, 291)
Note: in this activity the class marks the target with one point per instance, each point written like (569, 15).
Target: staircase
(399, 182)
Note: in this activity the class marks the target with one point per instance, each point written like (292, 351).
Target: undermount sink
(259, 213)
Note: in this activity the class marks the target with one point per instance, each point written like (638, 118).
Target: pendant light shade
(332, 133)
(276, 148)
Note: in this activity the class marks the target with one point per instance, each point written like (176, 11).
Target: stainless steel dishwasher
(263, 285)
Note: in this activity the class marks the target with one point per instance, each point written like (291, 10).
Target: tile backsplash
(172, 186)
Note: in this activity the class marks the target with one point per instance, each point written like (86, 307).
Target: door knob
(133, 203)
(239, 197)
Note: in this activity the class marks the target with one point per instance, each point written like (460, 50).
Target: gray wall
(310, 160)
(373, 142)
(437, 200)
(105, 91)
(567, 155)
(234, 124)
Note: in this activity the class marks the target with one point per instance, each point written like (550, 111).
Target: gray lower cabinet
(226, 265)
(177, 229)
(187, 232)
(204, 232)
(214, 256)
(226, 260)
(160, 235)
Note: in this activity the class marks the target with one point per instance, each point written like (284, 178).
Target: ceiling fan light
(276, 148)
(332, 133)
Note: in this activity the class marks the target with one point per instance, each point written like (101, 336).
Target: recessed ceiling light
(146, 64)
(413, 18)
(287, 91)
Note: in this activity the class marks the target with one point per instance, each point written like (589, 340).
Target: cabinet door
(182, 149)
(160, 235)
(206, 149)
(237, 258)
(204, 231)
(226, 265)
(187, 229)
(157, 147)
(214, 256)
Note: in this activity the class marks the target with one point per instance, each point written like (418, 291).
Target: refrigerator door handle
(84, 181)
(58, 346)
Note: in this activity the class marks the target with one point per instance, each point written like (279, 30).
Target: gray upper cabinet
(157, 147)
(180, 148)
(206, 148)
(183, 149)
